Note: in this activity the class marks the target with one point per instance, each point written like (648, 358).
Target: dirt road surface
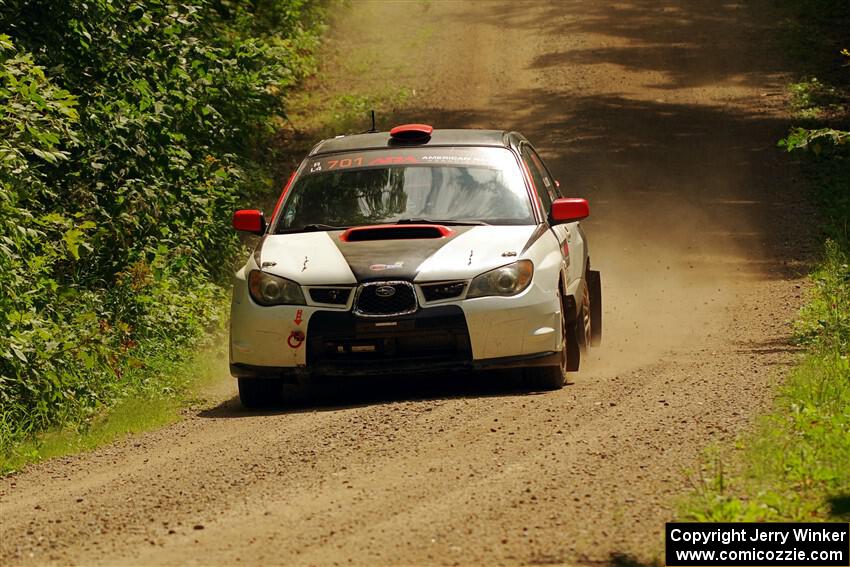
(665, 115)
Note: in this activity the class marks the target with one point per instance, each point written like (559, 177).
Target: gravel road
(665, 115)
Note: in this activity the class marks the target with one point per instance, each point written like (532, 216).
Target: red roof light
(411, 132)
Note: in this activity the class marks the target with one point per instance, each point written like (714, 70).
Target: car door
(544, 186)
(576, 251)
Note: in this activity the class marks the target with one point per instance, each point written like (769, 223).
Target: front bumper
(469, 334)
(423, 366)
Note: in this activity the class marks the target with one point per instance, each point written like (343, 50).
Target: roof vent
(411, 133)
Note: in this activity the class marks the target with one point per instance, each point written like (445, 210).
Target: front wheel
(551, 377)
(547, 378)
(257, 393)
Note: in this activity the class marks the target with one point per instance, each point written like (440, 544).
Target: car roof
(442, 137)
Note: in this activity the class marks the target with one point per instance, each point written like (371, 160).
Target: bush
(129, 132)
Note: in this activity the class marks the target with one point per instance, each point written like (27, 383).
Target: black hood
(389, 259)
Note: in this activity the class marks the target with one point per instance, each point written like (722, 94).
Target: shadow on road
(615, 559)
(680, 150)
(688, 43)
(333, 394)
(627, 560)
(778, 345)
(687, 177)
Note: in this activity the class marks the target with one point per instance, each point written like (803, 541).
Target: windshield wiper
(312, 228)
(445, 222)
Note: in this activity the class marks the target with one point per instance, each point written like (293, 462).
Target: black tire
(257, 393)
(578, 334)
(546, 378)
(550, 378)
(584, 328)
(594, 282)
(573, 345)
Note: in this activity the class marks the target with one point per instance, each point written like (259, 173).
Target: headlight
(507, 280)
(267, 289)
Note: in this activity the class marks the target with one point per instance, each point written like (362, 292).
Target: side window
(548, 181)
(537, 177)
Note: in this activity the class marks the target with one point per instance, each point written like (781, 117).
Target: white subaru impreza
(414, 250)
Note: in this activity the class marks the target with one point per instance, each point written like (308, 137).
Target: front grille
(442, 291)
(432, 335)
(383, 299)
(330, 295)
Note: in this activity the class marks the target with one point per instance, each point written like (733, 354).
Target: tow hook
(296, 338)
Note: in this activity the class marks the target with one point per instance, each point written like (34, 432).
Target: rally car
(414, 250)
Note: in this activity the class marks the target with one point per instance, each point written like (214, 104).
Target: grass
(811, 99)
(325, 115)
(175, 386)
(356, 76)
(794, 466)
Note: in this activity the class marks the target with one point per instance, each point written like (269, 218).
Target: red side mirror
(249, 221)
(569, 210)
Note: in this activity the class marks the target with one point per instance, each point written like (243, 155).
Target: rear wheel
(594, 282)
(584, 328)
(256, 393)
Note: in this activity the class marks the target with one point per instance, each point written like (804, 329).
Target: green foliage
(824, 323)
(814, 100)
(824, 106)
(814, 140)
(328, 115)
(130, 130)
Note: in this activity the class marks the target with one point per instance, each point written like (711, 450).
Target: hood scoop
(395, 232)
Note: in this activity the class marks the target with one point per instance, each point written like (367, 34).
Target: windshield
(461, 185)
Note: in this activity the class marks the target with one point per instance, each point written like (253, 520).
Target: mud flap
(594, 283)
(573, 347)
